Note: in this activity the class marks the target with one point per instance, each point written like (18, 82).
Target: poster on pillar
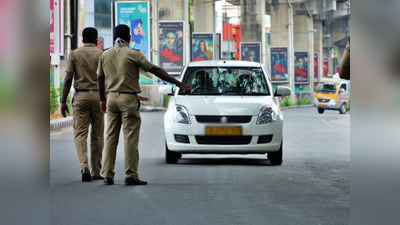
(60, 25)
(278, 64)
(301, 75)
(316, 67)
(170, 41)
(326, 66)
(202, 46)
(250, 51)
(136, 15)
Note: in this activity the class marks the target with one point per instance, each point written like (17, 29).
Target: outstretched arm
(344, 72)
(162, 74)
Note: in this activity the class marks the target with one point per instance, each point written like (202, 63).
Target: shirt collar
(122, 45)
(89, 45)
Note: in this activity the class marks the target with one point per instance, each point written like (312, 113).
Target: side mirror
(282, 91)
(166, 90)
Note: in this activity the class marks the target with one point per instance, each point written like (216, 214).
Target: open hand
(184, 86)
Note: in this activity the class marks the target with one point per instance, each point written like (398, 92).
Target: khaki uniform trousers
(122, 109)
(87, 112)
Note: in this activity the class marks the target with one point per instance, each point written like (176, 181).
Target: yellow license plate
(322, 104)
(213, 131)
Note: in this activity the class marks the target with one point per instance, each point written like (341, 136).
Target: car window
(327, 87)
(225, 81)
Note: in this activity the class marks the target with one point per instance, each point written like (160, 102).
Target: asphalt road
(312, 186)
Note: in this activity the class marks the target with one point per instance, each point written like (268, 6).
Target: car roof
(224, 63)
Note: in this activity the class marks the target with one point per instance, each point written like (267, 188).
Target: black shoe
(98, 177)
(86, 175)
(108, 181)
(133, 181)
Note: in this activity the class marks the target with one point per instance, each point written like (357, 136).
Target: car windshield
(225, 81)
(327, 87)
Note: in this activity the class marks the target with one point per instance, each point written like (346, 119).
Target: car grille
(223, 119)
(324, 100)
(223, 140)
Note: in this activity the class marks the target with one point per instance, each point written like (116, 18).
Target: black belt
(128, 93)
(83, 90)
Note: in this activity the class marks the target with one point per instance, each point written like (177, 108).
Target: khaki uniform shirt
(345, 61)
(121, 70)
(83, 62)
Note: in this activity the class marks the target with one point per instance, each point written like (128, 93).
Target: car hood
(324, 96)
(223, 105)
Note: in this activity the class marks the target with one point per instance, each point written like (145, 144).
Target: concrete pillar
(253, 26)
(154, 31)
(303, 42)
(203, 16)
(176, 10)
(318, 47)
(171, 9)
(281, 34)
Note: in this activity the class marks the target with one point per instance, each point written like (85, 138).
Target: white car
(231, 109)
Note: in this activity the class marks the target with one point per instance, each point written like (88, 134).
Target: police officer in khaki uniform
(344, 71)
(119, 67)
(81, 67)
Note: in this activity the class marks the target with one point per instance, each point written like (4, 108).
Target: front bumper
(327, 105)
(196, 131)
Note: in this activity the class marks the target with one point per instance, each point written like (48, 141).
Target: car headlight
(332, 100)
(267, 114)
(181, 114)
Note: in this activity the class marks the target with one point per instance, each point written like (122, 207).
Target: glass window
(327, 87)
(102, 13)
(225, 81)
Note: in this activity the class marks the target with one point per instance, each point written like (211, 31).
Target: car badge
(224, 119)
(324, 96)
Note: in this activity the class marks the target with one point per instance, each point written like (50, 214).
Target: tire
(321, 110)
(343, 108)
(170, 156)
(275, 158)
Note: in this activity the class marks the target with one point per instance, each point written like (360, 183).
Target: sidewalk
(297, 107)
(58, 124)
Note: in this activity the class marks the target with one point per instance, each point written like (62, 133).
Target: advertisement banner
(250, 51)
(136, 15)
(170, 41)
(326, 66)
(301, 75)
(316, 67)
(60, 25)
(202, 46)
(278, 64)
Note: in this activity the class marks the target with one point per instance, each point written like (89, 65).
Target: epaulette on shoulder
(136, 49)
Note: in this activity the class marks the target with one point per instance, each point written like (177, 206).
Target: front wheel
(343, 108)
(275, 158)
(321, 110)
(170, 156)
